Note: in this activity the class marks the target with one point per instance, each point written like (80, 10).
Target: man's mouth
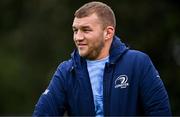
(81, 45)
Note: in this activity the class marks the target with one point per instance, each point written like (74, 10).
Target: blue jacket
(131, 84)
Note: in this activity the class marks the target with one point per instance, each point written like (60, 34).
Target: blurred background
(36, 35)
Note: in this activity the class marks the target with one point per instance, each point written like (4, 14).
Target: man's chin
(82, 54)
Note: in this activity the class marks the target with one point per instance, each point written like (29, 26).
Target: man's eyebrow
(85, 27)
(73, 27)
(81, 27)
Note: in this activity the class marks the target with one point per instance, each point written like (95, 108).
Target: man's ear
(109, 32)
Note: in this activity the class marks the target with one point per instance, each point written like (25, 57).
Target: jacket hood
(117, 49)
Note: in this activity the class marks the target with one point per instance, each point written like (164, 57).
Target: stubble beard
(96, 51)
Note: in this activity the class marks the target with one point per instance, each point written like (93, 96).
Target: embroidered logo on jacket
(121, 81)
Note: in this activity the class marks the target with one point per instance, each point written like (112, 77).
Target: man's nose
(79, 35)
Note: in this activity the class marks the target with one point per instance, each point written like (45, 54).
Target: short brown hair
(103, 11)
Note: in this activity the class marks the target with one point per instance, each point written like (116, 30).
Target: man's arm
(52, 101)
(153, 93)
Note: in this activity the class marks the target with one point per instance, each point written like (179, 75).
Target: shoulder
(137, 55)
(141, 64)
(65, 66)
(137, 59)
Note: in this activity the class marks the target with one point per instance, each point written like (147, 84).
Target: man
(103, 77)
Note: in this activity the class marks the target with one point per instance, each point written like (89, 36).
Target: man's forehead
(81, 24)
(86, 21)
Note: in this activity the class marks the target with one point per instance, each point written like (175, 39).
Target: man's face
(89, 36)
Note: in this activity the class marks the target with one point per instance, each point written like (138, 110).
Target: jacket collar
(117, 49)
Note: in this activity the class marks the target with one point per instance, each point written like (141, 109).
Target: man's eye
(75, 30)
(87, 30)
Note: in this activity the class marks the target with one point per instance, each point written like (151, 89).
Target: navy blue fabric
(131, 86)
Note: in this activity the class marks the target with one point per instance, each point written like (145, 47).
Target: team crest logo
(121, 81)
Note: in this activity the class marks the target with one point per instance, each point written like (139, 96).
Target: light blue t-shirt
(96, 71)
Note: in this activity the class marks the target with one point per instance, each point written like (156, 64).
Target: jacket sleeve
(154, 96)
(52, 101)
